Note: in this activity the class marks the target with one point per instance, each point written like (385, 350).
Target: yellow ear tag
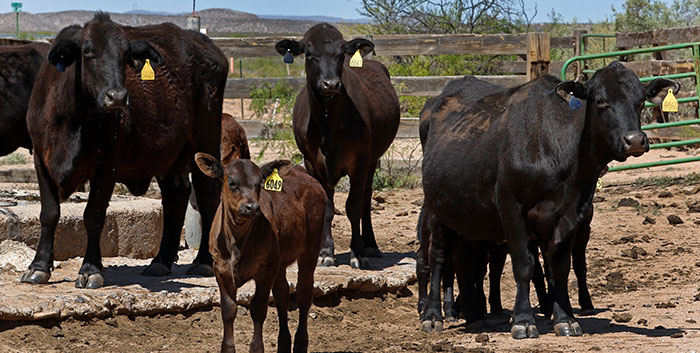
(670, 104)
(273, 182)
(356, 60)
(147, 73)
(599, 184)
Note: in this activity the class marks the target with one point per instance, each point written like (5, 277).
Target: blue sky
(595, 10)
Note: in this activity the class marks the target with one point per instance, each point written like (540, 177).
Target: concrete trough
(133, 225)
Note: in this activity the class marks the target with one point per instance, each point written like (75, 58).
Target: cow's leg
(479, 273)
(280, 291)
(578, 256)
(208, 194)
(497, 260)
(229, 308)
(466, 262)
(327, 255)
(371, 249)
(431, 319)
(175, 191)
(560, 264)
(40, 269)
(258, 306)
(305, 290)
(353, 208)
(422, 262)
(538, 279)
(523, 266)
(101, 188)
(449, 306)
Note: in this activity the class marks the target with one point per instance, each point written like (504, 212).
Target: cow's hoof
(325, 261)
(361, 263)
(520, 331)
(156, 270)
(93, 281)
(431, 326)
(372, 252)
(450, 319)
(35, 277)
(568, 329)
(203, 270)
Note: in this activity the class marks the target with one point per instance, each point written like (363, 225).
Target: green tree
(642, 15)
(685, 13)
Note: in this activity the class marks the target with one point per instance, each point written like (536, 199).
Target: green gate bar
(695, 74)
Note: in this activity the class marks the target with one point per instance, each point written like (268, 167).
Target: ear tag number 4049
(273, 182)
(147, 73)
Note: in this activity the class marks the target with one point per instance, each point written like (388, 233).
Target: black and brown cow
(19, 67)
(521, 165)
(95, 116)
(344, 119)
(256, 234)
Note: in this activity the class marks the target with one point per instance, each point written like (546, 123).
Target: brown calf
(256, 234)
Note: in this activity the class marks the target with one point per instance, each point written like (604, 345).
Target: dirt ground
(644, 276)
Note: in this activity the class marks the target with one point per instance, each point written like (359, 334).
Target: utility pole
(17, 8)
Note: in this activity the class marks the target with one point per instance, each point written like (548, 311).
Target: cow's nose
(332, 84)
(249, 209)
(116, 98)
(635, 143)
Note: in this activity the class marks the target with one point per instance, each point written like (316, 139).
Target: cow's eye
(88, 53)
(232, 185)
(601, 104)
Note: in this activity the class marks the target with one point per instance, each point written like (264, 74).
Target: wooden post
(537, 55)
(579, 43)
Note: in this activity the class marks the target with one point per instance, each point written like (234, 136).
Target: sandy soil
(650, 303)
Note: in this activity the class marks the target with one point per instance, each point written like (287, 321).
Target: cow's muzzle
(635, 143)
(115, 98)
(249, 209)
(330, 87)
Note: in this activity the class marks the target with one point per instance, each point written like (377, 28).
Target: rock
(674, 220)
(337, 212)
(379, 197)
(665, 194)
(694, 207)
(595, 348)
(677, 335)
(642, 322)
(634, 252)
(110, 321)
(628, 202)
(691, 321)
(659, 327)
(375, 206)
(419, 202)
(666, 305)
(648, 220)
(622, 317)
(624, 240)
(313, 315)
(646, 238)
(697, 264)
(598, 199)
(15, 256)
(691, 190)
(482, 338)
(402, 213)
(639, 196)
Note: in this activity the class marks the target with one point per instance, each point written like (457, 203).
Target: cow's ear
(363, 45)
(657, 90)
(209, 165)
(567, 88)
(66, 48)
(267, 168)
(139, 51)
(289, 45)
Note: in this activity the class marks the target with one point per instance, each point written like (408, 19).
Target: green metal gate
(695, 46)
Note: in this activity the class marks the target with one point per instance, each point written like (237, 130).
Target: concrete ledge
(133, 227)
(126, 292)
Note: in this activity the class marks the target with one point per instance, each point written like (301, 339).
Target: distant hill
(316, 18)
(217, 21)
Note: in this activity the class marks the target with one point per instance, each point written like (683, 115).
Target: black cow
(520, 164)
(92, 118)
(345, 118)
(19, 66)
